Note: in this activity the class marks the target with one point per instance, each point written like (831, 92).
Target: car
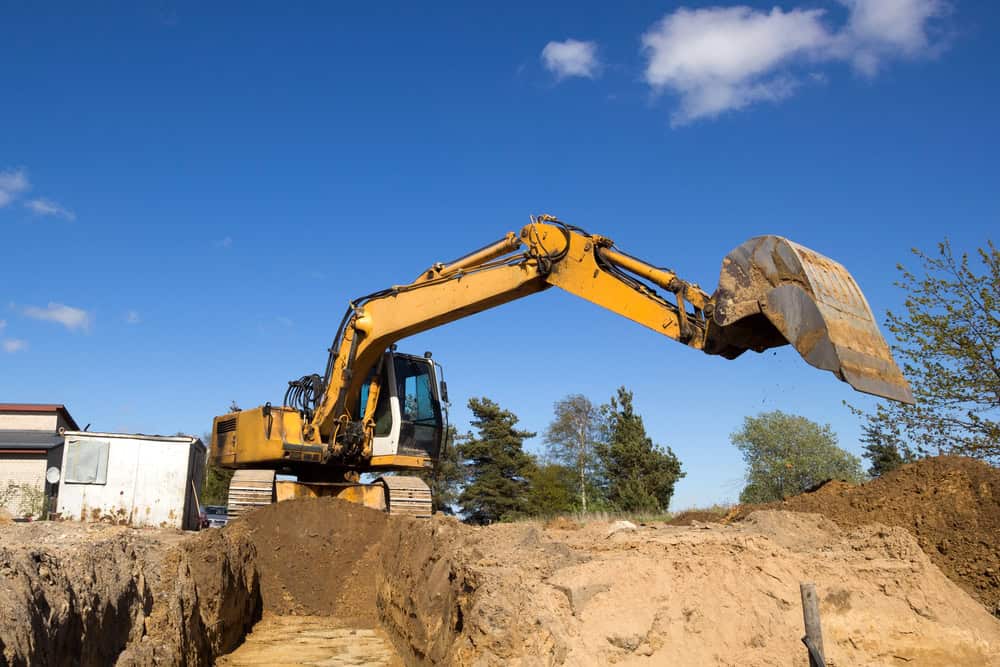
(216, 516)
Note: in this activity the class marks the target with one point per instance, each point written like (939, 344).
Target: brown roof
(42, 407)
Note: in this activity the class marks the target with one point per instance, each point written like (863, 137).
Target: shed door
(161, 480)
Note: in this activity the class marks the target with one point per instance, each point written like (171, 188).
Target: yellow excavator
(376, 410)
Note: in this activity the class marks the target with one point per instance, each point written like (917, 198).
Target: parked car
(217, 516)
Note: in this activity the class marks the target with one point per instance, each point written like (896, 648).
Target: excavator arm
(772, 292)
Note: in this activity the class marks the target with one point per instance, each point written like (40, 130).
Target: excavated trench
(327, 582)
(305, 578)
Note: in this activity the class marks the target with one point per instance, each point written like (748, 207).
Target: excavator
(377, 411)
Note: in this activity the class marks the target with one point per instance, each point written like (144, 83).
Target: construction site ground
(905, 567)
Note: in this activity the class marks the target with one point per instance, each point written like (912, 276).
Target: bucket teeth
(774, 292)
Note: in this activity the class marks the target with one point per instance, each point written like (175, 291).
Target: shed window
(87, 461)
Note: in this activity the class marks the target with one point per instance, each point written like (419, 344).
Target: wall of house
(148, 483)
(17, 470)
(31, 421)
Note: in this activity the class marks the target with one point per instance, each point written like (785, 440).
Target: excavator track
(395, 494)
(408, 496)
(248, 490)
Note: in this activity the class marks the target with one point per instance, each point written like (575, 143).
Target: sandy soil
(348, 585)
(705, 595)
(950, 504)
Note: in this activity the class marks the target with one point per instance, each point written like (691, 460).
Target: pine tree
(638, 475)
(446, 476)
(884, 449)
(496, 466)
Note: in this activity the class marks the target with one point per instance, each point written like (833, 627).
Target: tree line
(597, 458)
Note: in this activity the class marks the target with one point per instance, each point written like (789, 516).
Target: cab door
(421, 422)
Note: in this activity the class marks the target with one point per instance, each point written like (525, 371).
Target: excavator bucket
(773, 291)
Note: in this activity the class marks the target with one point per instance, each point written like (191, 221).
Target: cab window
(383, 413)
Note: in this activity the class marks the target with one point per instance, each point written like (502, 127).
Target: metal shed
(131, 479)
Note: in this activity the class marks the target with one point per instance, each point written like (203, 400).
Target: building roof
(180, 439)
(29, 440)
(55, 408)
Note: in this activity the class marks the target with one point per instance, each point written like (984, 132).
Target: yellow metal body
(789, 300)
(369, 495)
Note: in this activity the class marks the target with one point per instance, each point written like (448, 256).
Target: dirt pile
(523, 594)
(318, 557)
(449, 594)
(951, 504)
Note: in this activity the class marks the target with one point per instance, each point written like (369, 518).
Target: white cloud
(571, 58)
(225, 243)
(12, 345)
(12, 183)
(132, 317)
(878, 30)
(725, 58)
(68, 316)
(49, 207)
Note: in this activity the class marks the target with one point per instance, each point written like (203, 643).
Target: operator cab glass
(383, 410)
(409, 408)
(416, 389)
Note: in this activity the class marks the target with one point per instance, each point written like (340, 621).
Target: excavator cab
(409, 419)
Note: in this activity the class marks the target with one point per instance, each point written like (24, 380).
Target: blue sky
(190, 195)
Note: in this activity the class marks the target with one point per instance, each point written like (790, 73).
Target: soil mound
(690, 517)
(524, 594)
(318, 557)
(950, 504)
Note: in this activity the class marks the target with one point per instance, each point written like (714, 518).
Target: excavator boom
(771, 292)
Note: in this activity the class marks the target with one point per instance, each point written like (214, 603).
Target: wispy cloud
(12, 183)
(47, 207)
(68, 316)
(12, 345)
(224, 243)
(3, 324)
(724, 58)
(132, 317)
(571, 58)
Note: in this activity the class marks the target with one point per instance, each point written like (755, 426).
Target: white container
(131, 479)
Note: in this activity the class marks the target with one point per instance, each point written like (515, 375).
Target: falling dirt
(950, 504)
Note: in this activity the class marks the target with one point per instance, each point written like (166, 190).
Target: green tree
(497, 468)
(788, 454)
(638, 476)
(551, 490)
(215, 485)
(883, 449)
(446, 476)
(572, 439)
(949, 345)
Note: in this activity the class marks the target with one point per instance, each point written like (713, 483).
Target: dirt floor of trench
(326, 582)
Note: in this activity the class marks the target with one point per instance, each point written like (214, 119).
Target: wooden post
(814, 633)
